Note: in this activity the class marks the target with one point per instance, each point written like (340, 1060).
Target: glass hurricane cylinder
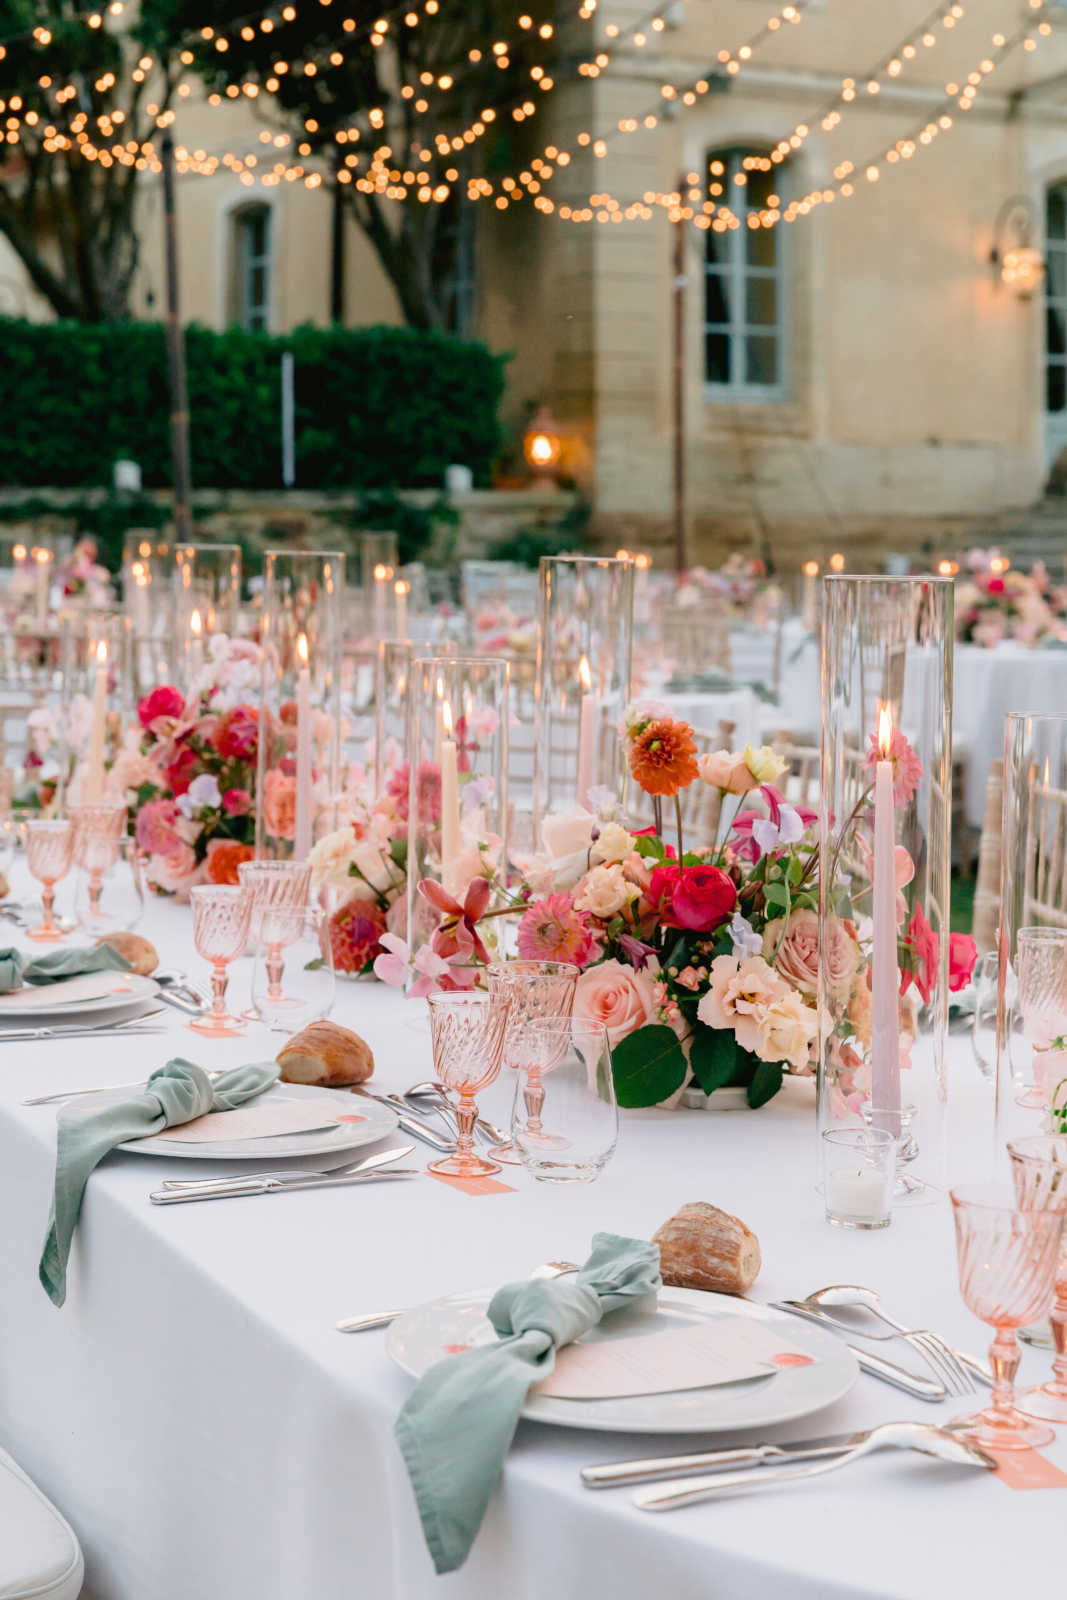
(582, 680)
(392, 685)
(207, 579)
(298, 766)
(1033, 910)
(884, 865)
(378, 556)
(96, 685)
(458, 795)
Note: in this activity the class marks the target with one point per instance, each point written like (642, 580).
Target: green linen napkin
(173, 1094)
(455, 1427)
(15, 970)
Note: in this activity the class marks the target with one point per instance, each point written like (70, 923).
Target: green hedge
(375, 407)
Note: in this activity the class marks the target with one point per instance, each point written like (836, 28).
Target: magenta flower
(552, 930)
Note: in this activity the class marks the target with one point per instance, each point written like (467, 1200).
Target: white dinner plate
(377, 1122)
(68, 999)
(422, 1336)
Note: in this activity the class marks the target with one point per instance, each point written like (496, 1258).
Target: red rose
(236, 736)
(660, 894)
(922, 942)
(166, 701)
(962, 955)
(702, 898)
(238, 802)
(995, 586)
(182, 770)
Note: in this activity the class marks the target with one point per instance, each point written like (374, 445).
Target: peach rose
(728, 771)
(175, 872)
(740, 991)
(796, 954)
(279, 804)
(615, 997)
(604, 892)
(613, 843)
(785, 1031)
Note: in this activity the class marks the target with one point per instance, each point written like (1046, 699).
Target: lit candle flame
(542, 450)
(19, 552)
(139, 573)
(810, 569)
(642, 561)
(837, 562)
(101, 652)
(382, 573)
(446, 717)
(885, 732)
(42, 556)
(144, 549)
(623, 555)
(401, 588)
(585, 677)
(302, 648)
(196, 625)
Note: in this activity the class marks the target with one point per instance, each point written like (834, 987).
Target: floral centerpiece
(734, 586)
(700, 961)
(997, 602)
(187, 771)
(83, 579)
(359, 870)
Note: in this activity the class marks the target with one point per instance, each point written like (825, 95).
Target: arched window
(252, 267)
(744, 282)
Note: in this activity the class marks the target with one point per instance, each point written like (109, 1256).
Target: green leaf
(714, 1057)
(648, 1066)
(651, 847)
(766, 1082)
(776, 894)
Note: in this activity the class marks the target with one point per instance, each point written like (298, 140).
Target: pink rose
(156, 828)
(962, 955)
(614, 997)
(166, 701)
(727, 770)
(796, 955)
(238, 802)
(279, 804)
(175, 872)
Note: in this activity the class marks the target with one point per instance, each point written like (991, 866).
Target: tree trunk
(406, 257)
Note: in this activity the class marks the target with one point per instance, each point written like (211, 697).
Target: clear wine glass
(116, 901)
(49, 848)
(273, 885)
(1039, 1172)
(537, 990)
(221, 917)
(467, 1032)
(1007, 1266)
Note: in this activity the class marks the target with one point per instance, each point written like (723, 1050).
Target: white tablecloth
(209, 1434)
(987, 685)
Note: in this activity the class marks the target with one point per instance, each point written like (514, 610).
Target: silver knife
(875, 1366)
(410, 1124)
(22, 1035)
(364, 1164)
(232, 1190)
(616, 1474)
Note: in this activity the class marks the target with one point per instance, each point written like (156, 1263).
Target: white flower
(790, 830)
(202, 794)
(613, 843)
(639, 712)
(605, 891)
(747, 941)
(330, 857)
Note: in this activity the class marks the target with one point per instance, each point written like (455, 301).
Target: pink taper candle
(450, 832)
(885, 1022)
(302, 838)
(586, 733)
(94, 767)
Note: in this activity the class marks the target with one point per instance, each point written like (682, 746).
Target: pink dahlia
(355, 935)
(907, 768)
(552, 930)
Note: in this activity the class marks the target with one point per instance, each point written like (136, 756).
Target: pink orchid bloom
(457, 933)
(397, 967)
(745, 846)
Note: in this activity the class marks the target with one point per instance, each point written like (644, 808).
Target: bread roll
(701, 1247)
(326, 1053)
(139, 952)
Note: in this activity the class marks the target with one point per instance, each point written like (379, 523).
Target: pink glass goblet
(274, 886)
(98, 831)
(49, 848)
(467, 1033)
(221, 917)
(1007, 1266)
(538, 991)
(1039, 1172)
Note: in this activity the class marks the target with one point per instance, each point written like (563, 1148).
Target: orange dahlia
(663, 756)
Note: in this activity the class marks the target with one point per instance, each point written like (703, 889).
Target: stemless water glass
(1007, 1265)
(467, 1032)
(574, 1132)
(221, 917)
(537, 990)
(49, 847)
(292, 978)
(1039, 1172)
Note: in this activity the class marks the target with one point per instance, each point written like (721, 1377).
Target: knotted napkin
(173, 1094)
(456, 1426)
(15, 970)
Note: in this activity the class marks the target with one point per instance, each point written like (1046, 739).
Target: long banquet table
(212, 1437)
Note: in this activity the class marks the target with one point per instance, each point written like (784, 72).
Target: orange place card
(1027, 1469)
(351, 1119)
(474, 1185)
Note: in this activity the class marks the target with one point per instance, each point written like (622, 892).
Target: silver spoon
(856, 1296)
(938, 1442)
(437, 1093)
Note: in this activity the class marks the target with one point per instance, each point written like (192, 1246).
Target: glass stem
(48, 900)
(1058, 1318)
(96, 883)
(534, 1096)
(1004, 1363)
(274, 971)
(218, 988)
(466, 1116)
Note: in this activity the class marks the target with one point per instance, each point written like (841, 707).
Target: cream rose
(726, 770)
(740, 991)
(331, 855)
(614, 997)
(785, 1031)
(613, 843)
(796, 953)
(764, 764)
(605, 891)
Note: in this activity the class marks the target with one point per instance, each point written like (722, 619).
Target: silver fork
(942, 1360)
(379, 1319)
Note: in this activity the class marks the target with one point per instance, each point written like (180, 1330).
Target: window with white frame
(744, 279)
(252, 267)
(1056, 298)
